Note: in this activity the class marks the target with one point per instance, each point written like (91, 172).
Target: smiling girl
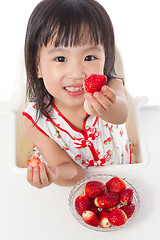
(66, 41)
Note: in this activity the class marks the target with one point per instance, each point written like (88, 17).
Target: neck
(75, 115)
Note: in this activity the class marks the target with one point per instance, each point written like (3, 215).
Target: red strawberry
(115, 184)
(95, 210)
(117, 217)
(128, 209)
(107, 200)
(126, 196)
(94, 189)
(82, 204)
(94, 83)
(103, 219)
(90, 218)
(34, 161)
(92, 203)
(110, 209)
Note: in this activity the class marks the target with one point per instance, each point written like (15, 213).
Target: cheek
(100, 65)
(100, 68)
(52, 82)
(48, 84)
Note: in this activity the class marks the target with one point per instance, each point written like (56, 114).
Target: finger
(94, 105)
(109, 93)
(97, 104)
(89, 108)
(43, 175)
(102, 102)
(88, 104)
(30, 175)
(36, 177)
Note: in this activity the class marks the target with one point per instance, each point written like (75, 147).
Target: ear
(39, 74)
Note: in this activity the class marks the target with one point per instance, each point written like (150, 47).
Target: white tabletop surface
(27, 213)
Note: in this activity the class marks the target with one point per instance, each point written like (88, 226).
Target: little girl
(66, 41)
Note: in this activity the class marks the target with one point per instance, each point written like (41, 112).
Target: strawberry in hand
(94, 83)
(98, 96)
(34, 161)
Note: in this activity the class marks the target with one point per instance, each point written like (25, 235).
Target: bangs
(72, 25)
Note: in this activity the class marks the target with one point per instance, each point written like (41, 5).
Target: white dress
(100, 143)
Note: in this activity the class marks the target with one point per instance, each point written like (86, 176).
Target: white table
(31, 214)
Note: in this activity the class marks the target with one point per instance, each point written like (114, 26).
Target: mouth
(74, 89)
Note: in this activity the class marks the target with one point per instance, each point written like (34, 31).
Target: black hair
(65, 21)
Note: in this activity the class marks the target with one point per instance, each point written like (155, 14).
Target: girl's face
(64, 69)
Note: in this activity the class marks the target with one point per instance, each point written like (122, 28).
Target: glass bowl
(78, 189)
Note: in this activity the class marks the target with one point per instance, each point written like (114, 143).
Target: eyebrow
(65, 49)
(58, 49)
(93, 48)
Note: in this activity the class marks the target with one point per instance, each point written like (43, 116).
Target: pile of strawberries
(106, 205)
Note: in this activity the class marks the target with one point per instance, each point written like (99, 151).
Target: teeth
(74, 89)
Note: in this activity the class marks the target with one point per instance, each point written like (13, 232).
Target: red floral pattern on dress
(108, 155)
(127, 147)
(57, 134)
(82, 143)
(78, 157)
(65, 147)
(121, 132)
(101, 161)
(109, 126)
(108, 141)
(97, 152)
(35, 106)
(92, 133)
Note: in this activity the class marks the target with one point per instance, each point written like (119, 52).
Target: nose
(76, 71)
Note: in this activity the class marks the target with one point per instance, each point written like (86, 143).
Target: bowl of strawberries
(104, 202)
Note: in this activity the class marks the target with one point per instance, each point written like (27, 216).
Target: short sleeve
(114, 75)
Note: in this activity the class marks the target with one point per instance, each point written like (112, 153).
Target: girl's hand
(42, 175)
(100, 102)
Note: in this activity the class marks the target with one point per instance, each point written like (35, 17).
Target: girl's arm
(61, 169)
(110, 104)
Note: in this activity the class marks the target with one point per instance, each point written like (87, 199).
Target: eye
(90, 58)
(61, 59)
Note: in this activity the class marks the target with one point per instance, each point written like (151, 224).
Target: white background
(28, 213)
(136, 25)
